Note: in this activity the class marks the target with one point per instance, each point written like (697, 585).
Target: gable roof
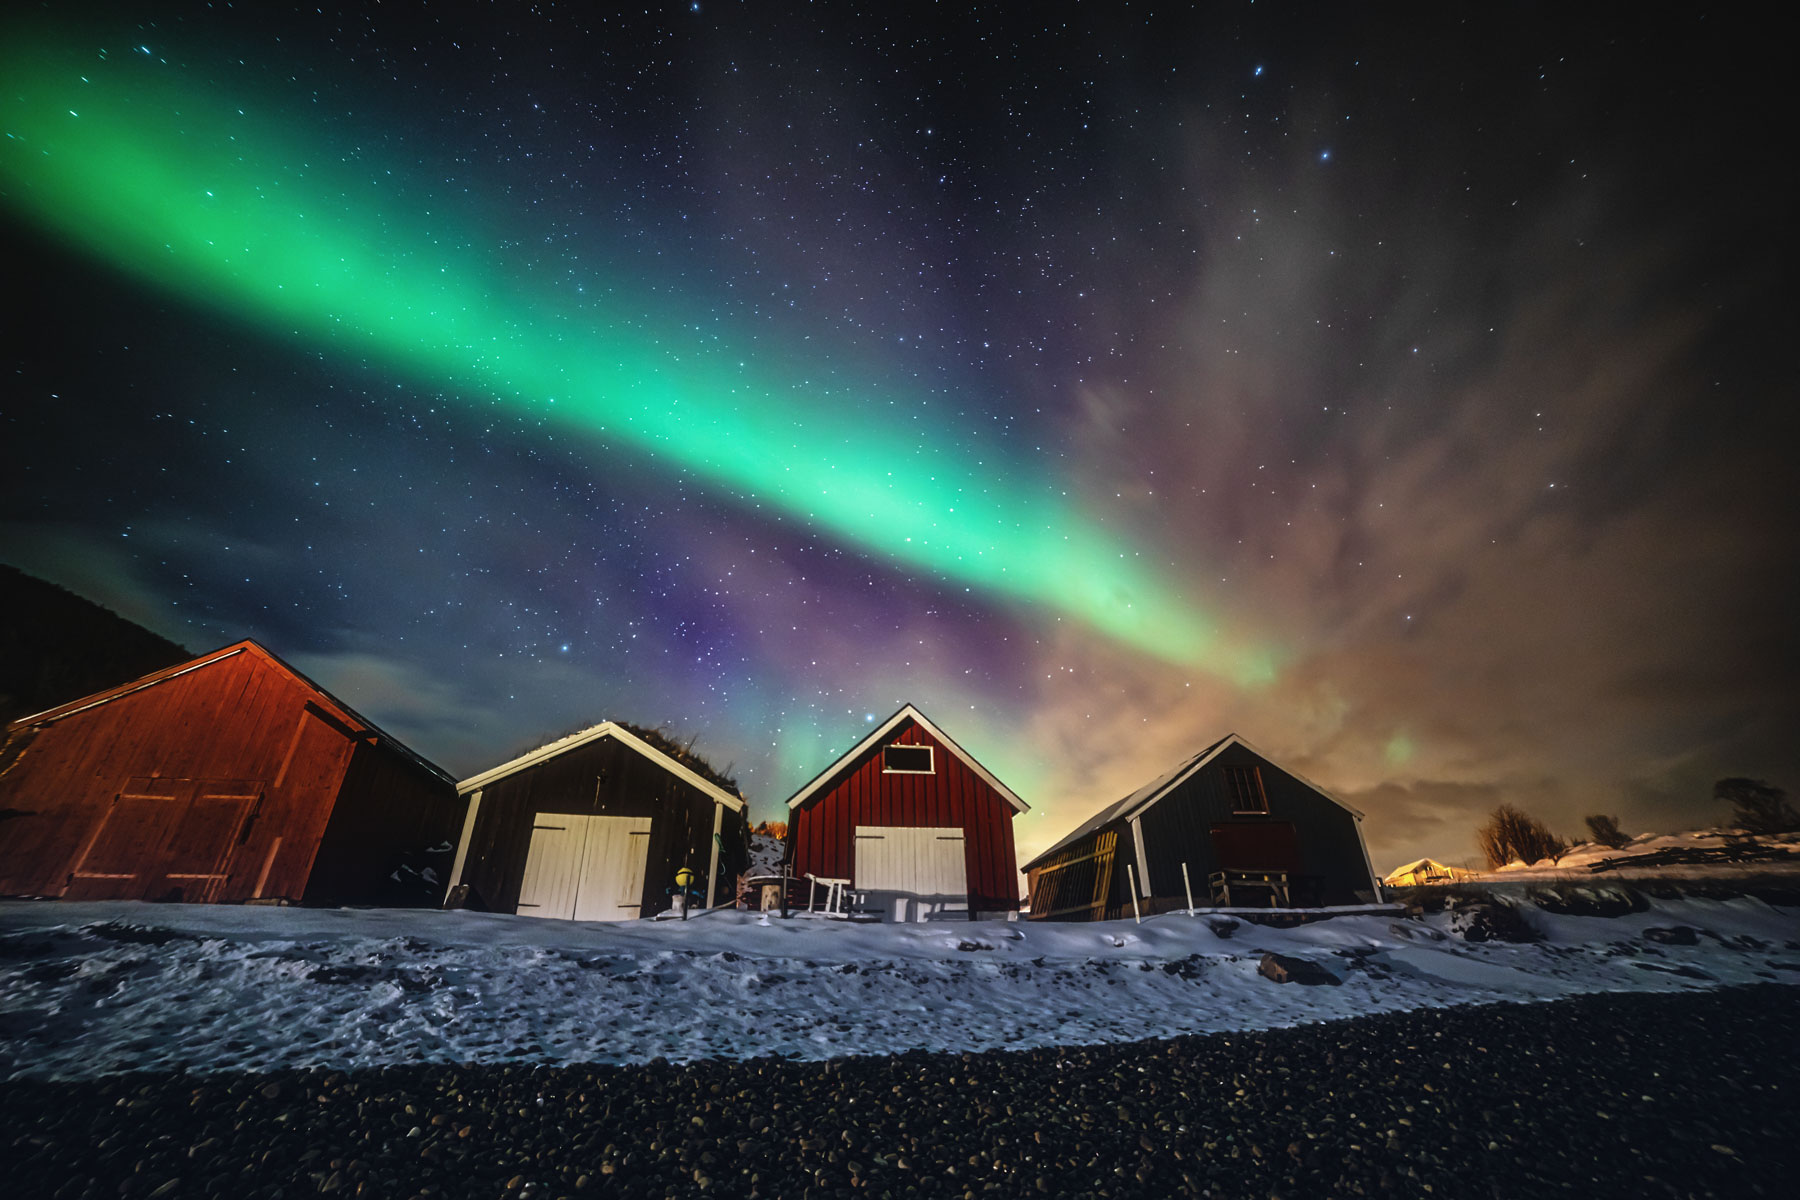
(349, 715)
(1133, 806)
(625, 737)
(907, 712)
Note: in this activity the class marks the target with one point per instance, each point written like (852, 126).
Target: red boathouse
(913, 822)
(225, 779)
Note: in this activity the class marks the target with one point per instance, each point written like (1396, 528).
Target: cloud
(1525, 551)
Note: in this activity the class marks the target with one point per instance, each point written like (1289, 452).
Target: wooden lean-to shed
(1247, 832)
(226, 779)
(595, 826)
(912, 822)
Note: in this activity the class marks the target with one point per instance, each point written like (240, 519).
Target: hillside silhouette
(56, 646)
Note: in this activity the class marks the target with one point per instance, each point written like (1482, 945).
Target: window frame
(1252, 774)
(930, 758)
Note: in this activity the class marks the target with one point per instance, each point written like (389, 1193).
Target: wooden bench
(1274, 882)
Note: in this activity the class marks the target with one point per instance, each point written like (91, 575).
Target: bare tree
(1757, 806)
(1605, 830)
(1511, 834)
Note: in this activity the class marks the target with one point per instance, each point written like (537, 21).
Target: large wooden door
(583, 868)
(1256, 846)
(165, 839)
(912, 874)
(612, 869)
(552, 866)
(195, 869)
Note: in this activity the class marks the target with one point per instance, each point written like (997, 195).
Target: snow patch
(95, 988)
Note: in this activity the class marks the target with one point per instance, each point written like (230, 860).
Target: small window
(906, 760)
(1245, 785)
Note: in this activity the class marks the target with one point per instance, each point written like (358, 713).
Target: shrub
(774, 829)
(1605, 830)
(1756, 806)
(1511, 834)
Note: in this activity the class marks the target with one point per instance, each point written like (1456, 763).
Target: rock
(1283, 969)
(1588, 901)
(1492, 921)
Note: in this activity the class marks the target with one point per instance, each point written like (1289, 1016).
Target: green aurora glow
(183, 188)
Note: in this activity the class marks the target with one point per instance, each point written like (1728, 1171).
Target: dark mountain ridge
(56, 646)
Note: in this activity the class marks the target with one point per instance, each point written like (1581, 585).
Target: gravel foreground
(1641, 1095)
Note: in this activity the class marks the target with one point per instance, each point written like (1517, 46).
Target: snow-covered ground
(1718, 854)
(92, 988)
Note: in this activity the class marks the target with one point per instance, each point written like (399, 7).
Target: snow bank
(96, 988)
(1716, 854)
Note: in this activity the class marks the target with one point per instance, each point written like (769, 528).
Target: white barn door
(911, 874)
(585, 868)
(552, 866)
(612, 869)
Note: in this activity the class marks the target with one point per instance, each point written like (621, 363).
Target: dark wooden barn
(1227, 826)
(229, 778)
(912, 821)
(594, 827)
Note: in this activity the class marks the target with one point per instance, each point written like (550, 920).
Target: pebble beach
(1631, 1095)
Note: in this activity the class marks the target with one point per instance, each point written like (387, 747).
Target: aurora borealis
(185, 189)
(1397, 391)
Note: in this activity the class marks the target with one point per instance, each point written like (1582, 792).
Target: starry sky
(1403, 389)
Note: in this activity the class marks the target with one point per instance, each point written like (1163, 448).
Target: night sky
(1408, 390)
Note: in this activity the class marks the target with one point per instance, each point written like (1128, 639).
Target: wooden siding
(1178, 828)
(391, 819)
(165, 838)
(821, 833)
(199, 741)
(1256, 846)
(600, 778)
(1076, 883)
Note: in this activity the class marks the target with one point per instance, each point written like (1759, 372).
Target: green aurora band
(180, 187)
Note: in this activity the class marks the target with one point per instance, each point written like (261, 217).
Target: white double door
(585, 868)
(911, 874)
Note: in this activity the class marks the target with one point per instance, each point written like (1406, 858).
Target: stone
(1283, 969)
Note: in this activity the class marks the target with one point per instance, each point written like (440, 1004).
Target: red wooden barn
(229, 778)
(910, 819)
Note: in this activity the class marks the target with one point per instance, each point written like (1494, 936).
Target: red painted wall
(215, 784)
(822, 830)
